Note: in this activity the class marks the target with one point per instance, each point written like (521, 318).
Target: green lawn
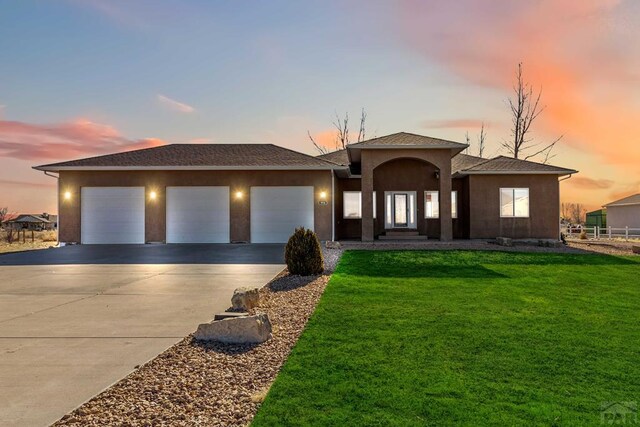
(465, 338)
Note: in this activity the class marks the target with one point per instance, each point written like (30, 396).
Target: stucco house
(624, 212)
(388, 187)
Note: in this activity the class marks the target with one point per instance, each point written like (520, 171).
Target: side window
(514, 202)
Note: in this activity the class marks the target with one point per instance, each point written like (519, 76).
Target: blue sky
(95, 76)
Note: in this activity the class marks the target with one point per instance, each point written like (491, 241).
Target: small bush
(303, 254)
(583, 235)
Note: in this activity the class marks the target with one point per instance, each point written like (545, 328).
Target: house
(597, 218)
(36, 222)
(624, 212)
(386, 187)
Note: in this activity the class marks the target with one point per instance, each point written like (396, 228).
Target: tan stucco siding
(484, 207)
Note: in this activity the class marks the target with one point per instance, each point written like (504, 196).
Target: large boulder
(550, 243)
(504, 241)
(236, 330)
(635, 249)
(332, 244)
(245, 298)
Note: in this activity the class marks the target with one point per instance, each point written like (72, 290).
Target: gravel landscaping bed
(197, 383)
(611, 247)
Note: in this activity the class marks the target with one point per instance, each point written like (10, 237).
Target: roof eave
(470, 172)
(53, 168)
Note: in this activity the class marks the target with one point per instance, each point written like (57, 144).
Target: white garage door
(197, 214)
(277, 211)
(112, 215)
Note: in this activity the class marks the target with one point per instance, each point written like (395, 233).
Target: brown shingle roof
(630, 200)
(200, 155)
(502, 164)
(408, 139)
(464, 161)
(339, 157)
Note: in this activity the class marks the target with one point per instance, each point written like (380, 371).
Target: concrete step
(403, 237)
(401, 233)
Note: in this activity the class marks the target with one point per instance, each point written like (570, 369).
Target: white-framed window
(352, 204)
(454, 204)
(514, 202)
(432, 204)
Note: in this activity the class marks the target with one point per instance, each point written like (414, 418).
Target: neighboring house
(37, 222)
(597, 218)
(624, 212)
(384, 187)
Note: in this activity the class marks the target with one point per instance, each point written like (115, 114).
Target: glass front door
(400, 210)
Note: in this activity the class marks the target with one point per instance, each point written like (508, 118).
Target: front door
(400, 207)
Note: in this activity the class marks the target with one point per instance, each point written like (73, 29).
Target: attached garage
(277, 211)
(112, 215)
(198, 215)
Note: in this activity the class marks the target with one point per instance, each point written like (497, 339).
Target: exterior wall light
(239, 194)
(153, 195)
(323, 195)
(67, 195)
(438, 174)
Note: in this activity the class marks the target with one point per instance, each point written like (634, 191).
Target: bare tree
(573, 212)
(525, 109)
(481, 139)
(3, 214)
(342, 139)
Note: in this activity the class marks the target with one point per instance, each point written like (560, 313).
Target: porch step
(401, 233)
(402, 236)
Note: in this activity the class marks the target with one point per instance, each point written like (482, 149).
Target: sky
(85, 77)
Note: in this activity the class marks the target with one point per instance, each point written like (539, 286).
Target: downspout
(560, 207)
(333, 210)
(57, 177)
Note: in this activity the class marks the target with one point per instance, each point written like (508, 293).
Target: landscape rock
(229, 314)
(245, 298)
(550, 243)
(635, 249)
(331, 244)
(236, 330)
(504, 241)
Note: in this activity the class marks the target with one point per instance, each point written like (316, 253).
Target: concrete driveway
(75, 320)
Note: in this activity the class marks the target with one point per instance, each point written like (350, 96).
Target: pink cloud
(174, 105)
(80, 138)
(578, 51)
(590, 183)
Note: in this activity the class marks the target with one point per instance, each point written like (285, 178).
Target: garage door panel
(111, 215)
(198, 215)
(277, 211)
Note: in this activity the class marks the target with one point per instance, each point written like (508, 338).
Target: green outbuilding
(597, 218)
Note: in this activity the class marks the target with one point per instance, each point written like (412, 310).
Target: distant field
(42, 240)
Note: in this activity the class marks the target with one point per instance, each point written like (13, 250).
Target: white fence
(596, 232)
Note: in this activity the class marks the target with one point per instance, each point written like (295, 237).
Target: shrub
(303, 254)
(583, 235)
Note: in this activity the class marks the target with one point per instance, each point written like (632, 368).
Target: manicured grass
(465, 338)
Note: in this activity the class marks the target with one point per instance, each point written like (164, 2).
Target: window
(432, 204)
(352, 204)
(454, 204)
(514, 202)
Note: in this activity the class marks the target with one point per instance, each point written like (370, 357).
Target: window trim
(360, 194)
(513, 196)
(454, 193)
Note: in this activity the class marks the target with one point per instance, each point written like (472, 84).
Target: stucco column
(367, 198)
(446, 226)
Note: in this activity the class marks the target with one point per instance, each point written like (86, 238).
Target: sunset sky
(86, 77)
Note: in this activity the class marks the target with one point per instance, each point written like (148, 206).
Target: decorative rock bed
(209, 383)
